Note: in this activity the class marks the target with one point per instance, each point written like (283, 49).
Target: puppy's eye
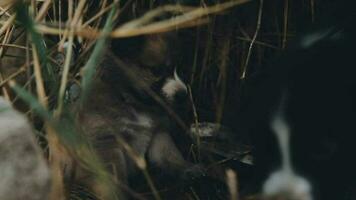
(161, 70)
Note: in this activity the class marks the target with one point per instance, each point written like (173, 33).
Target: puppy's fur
(124, 122)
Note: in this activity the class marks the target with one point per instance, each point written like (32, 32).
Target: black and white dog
(308, 97)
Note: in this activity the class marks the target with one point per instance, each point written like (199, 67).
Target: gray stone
(24, 173)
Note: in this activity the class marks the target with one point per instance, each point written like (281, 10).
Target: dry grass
(37, 31)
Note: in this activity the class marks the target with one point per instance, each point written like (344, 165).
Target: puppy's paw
(194, 172)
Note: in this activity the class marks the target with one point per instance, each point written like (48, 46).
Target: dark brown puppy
(123, 119)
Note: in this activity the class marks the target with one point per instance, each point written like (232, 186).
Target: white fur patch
(284, 181)
(141, 120)
(172, 86)
(144, 120)
(312, 38)
(287, 183)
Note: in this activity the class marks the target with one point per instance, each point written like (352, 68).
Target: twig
(253, 40)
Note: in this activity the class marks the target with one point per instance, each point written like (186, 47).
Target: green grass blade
(90, 66)
(25, 19)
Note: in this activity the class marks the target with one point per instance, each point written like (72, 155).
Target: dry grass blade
(141, 164)
(66, 67)
(98, 15)
(191, 17)
(4, 90)
(43, 11)
(12, 76)
(73, 21)
(7, 24)
(4, 10)
(196, 122)
(259, 18)
(69, 52)
(175, 22)
(150, 16)
(231, 180)
(14, 46)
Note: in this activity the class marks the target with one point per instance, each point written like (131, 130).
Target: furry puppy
(315, 79)
(125, 123)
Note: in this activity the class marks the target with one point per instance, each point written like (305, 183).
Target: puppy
(315, 77)
(125, 123)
